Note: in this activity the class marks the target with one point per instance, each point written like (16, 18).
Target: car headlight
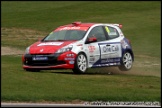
(27, 50)
(65, 49)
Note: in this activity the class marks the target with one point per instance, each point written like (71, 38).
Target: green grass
(23, 22)
(18, 85)
(141, 20)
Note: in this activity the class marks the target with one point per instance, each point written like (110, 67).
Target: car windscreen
(65, 35)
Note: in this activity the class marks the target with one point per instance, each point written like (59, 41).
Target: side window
(97, 32)
(112, 32)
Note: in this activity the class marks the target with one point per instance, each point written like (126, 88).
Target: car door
(110, 49)
(93, 48)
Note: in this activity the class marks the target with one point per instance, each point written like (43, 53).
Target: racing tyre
(126, 62)
(80, 65)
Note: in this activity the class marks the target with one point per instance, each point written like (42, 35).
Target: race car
(79, 46)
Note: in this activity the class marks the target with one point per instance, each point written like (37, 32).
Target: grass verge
(19, 85)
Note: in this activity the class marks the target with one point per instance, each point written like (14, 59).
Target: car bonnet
(48, 47)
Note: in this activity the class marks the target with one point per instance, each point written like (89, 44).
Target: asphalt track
(67, 105)
(39, 105)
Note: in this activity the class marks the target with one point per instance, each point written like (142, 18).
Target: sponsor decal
(70, 55)
(70, 28)
(91, 59)
(106, 64)
(124, 44)
(50, 43)
(112, 48)
(91, 49)
(69, 58)
(40, 58)
(110, 60)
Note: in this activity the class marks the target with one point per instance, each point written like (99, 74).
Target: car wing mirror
(91, 39)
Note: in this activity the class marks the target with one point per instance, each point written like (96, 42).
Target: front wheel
(126, 62)
(80, 65)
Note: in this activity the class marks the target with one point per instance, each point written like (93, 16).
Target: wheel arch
(122, 66)
(130, 51)
(82, 52)
(76, 68)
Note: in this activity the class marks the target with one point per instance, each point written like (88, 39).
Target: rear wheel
(126, 62)
(80, 65)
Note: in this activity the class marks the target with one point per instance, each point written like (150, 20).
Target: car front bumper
(49, 61)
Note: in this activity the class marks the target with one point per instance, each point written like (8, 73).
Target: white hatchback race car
(79, 46)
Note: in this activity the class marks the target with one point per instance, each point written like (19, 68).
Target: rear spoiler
(119, 25)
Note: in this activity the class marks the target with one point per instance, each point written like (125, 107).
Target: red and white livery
(79, 46)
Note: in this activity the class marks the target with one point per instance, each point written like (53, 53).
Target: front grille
(52, 61)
